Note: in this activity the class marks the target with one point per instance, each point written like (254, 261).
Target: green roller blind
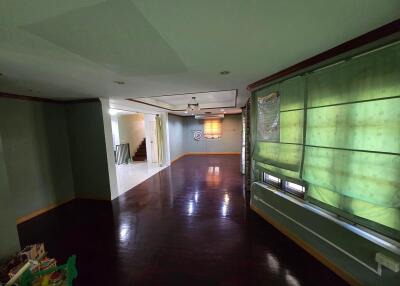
(351, 154)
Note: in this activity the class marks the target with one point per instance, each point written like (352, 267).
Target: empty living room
(199, 142)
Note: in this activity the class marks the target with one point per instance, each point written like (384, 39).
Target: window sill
(378, 239)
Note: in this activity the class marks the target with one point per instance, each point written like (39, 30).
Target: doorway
(150, 120)
(131, 138)
(135, 147)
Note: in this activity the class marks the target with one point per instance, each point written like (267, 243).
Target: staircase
(140, 154)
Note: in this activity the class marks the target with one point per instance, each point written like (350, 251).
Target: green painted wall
(8, 230)
(355, 245)
(49, 153)
(88, 150)
(36, 153)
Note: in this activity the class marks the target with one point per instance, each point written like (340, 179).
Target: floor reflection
(124, 232)
(190, 208)
(189, 224)
(272, 263)
(273, 266)
(213, 178)
(224, 209)
(290, 279)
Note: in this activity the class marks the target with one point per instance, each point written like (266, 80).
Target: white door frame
(126, 105)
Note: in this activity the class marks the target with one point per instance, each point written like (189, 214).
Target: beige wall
(131, 130)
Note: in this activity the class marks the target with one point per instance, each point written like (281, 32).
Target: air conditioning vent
(209, 116)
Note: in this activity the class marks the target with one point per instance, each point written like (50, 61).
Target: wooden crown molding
(45, 99)
(138, 100)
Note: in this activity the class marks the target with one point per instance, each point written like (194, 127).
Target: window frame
(207, 124)
(298, 193)
(270, 179)
(283, 185)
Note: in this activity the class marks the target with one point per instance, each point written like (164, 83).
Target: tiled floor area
(189, 224)
(132, 174)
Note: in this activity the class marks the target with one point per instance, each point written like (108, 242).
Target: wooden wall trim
(93, 199)
(203, 153)
(367, 38)
(308, 248)
(83, 100)
(138, 100)
(212, 153)
(45, 99)
(177, 158)
(40, 211)
(29, 98)
(177, 110)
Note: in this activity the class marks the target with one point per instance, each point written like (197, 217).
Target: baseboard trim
(177, 158)
(38, 212)
(30, 216)
(204, 153)
(94, 199)
(213, 153)
(308, 248)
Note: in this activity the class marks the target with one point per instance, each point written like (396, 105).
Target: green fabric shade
(370, 76)
(291, 125)
(347, 116)
(371, 126)
(370, 177)
(284, 156)
(292, 93)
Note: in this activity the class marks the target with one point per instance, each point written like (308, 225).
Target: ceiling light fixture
(113, 111)
(225, 72)
(193, 106)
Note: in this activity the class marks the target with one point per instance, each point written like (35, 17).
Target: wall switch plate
(387, 261)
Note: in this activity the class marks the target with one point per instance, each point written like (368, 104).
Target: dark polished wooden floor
(190, 224)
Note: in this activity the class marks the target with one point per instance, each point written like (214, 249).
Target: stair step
(140, 154)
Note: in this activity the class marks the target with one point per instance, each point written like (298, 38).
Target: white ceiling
(78, 49)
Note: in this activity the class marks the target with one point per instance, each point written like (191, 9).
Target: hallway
(189, 224)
